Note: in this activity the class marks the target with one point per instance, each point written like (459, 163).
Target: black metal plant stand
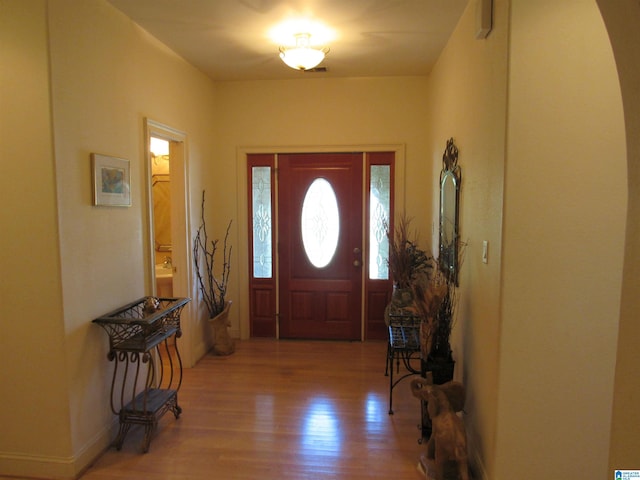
(403, 348)
(148, 368)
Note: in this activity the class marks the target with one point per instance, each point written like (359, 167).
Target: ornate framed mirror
(450, 178)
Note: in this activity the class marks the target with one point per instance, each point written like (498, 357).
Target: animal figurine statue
(446, 455)
(455, 391)
(151, 305)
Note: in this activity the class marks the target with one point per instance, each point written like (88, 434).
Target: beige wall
(32, 344)
(622, 18)
(467, 101)
(107, 75)
(538, 316)
(564, 223)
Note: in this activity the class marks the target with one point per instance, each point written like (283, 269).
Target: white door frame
(243, 205)
(180, 228)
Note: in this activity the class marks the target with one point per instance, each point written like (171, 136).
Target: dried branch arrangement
(213, 289)
(437, 302)
(407, 262)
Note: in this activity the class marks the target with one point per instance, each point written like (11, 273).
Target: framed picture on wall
(111, 181)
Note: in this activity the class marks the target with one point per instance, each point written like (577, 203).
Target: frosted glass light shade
(302, 56)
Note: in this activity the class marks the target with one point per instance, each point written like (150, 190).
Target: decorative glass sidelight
(379, 211)
(261, 212)
(320, 223)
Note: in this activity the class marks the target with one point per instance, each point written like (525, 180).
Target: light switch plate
(485, 251)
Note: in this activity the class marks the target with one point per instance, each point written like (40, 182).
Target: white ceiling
(231, 39)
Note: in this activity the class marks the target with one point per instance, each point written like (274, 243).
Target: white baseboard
(26, 465)
(199, 351)
(36, 466)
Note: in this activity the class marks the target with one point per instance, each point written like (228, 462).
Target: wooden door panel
(262, 308)
(378, 291)
(335, 281)
(320, 302)
(320, 315)
(262, 289)
(376, 326)
(337, 306)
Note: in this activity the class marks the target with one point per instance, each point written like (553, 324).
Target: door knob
(356, 263)
(356, 250)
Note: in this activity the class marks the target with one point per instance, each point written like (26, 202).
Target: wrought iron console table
(148, 369)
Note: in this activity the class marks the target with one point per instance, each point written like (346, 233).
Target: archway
(622, 18)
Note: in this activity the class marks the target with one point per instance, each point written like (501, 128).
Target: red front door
(320, 267)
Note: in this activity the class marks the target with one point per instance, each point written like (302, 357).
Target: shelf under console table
(147, 370)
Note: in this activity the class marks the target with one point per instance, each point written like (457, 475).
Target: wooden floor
(280, 410)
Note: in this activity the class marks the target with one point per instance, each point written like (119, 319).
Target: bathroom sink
(164, 271)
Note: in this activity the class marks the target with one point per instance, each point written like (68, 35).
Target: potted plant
(214, 288)
(408, 264)
(437, 304)
(437, 300)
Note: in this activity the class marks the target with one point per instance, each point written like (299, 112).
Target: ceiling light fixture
(303, 56)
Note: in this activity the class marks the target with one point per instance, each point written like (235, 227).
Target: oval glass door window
(320, 223)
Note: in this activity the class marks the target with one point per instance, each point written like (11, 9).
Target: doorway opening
(168, 250)
(328, 214)
(161, 205)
